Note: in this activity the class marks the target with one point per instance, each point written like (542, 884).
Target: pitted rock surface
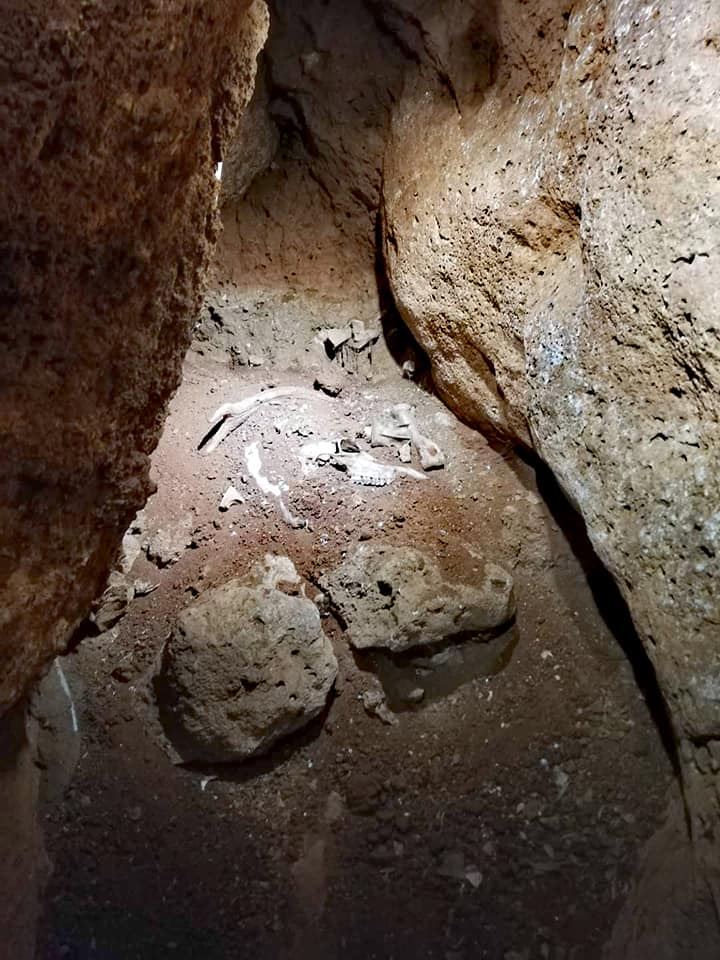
(397, 598)
(245, 665)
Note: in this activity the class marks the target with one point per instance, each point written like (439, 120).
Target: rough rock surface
(24, 867)
(397, 598)
(112, 118)
(302, 241)
(168, 544)
(245, 665)
(556, 257)
(553, 241)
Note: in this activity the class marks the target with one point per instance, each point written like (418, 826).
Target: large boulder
(397, 598)
(244, 666)
(555, 254)
(113, 117)
(553, 240)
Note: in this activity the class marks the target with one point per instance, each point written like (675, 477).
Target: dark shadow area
(402, 345)
(608, 599)
(13, 737)
(166, 883)
(440, 669)
(245, 771)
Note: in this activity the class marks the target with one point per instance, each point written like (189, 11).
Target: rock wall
(553, 243)
(112, 117)
(299, 213)
(24, 867)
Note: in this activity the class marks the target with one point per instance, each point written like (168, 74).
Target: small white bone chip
(231, 496)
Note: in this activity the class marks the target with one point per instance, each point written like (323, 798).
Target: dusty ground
(500, 818)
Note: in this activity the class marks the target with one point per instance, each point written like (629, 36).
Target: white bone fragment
(252, 458)
(231, 415)
(231, 496)
(366, 470)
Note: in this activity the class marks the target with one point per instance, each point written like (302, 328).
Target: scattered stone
(415, 695)
(132, 542)
(397, 598)
(169, 544)
(254, 360)
(142, 588)
(329, 383)
(321, 602)
(561, 780)
(375, 705)
(113, 603)
(243, 667)
(453, 866)
(473, 876)
(334, 807)
(231, 496)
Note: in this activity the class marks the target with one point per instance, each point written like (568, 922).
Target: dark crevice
(610, 603)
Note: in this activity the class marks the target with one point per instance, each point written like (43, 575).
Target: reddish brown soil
(547, 776)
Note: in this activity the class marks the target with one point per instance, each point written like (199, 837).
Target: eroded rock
(397, 598)
(245, 665)
(111, 128)
(170, 542)
(553, 244)
(113, 604)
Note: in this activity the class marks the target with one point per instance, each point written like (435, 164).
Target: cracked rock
(397, 598)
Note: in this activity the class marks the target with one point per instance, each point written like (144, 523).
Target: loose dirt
(500, 817)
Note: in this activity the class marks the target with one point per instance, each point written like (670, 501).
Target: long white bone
(231, 415)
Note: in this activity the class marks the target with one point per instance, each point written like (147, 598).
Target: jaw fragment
(361, 468)
(364, 469)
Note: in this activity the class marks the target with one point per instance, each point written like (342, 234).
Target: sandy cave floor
(539, 782)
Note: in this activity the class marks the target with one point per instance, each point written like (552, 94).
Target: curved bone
(230, 416)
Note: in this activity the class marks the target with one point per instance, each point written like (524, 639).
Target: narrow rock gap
(357, 683)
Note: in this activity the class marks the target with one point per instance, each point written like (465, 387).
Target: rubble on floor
(397, 427)
(397, 598)
(375, 704)
(231, 496)
(113, 603)
(170, 542)
(245, 665)
(351, 345)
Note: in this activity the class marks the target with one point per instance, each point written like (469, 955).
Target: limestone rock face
(112, 119)
(552, 240)
(245, 666)
(397, 598)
